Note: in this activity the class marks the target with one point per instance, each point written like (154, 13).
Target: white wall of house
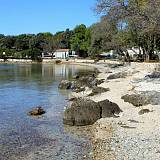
(134, 51)
(61, 54)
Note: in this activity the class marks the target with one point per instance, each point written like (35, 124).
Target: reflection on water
(24, 86)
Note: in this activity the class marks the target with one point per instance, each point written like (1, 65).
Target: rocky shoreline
(133, 134)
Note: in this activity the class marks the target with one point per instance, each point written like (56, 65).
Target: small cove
(24, 86)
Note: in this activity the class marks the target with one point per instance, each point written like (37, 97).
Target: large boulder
(82, 112)
(109, 109)
(65, 84)
(86, 112)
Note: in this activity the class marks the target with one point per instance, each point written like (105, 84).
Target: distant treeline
(32, 46)
(124, 24)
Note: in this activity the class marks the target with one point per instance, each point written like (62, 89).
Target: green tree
(80, 41)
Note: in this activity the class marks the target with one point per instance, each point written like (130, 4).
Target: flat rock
(142, 98)
(153, 75)
(143, 111)
(98, 90)
(117, 75)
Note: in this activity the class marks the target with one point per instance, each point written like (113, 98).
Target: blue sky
(34, 16)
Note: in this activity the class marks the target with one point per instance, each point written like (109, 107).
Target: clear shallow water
(23, 87)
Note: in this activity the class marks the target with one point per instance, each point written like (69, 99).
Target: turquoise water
(23, 87)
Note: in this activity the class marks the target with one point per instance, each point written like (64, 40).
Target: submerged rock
(37, 111)
(65, 84)
(86, 112)
(98, 90)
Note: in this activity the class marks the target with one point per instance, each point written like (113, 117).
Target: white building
(134, 51)
(64, 53)
(61, 53)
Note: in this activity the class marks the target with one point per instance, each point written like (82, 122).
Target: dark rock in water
(80, 83)
(65, 84)
(86, 112)
(143, 98)
(109, 109)
(58, 61)
(143, 111)
(82, 112)
(153, 75)
(117, 75)
(98, 90)
(37, 111)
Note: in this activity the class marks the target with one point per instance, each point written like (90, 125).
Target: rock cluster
(84, 111)
(80, 83)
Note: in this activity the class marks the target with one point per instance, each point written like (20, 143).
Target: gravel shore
(130, 136)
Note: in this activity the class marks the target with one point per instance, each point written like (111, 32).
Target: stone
(143, 98)
(143, 111)
(109, 109)
(153, 75)
(116, 65)
(98, 90)
(65, 84)
(136, 99)
(85, 81)
(80, 89)
(83, 111)
(37, 111)
(58, 61)
(117, 75)
(76, 77)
